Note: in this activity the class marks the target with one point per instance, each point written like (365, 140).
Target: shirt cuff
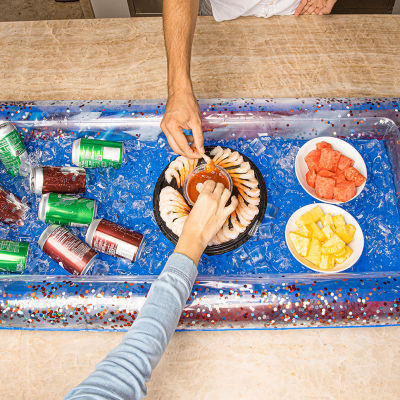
(182, 266)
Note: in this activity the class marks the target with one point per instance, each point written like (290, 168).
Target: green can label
(98, 153)
(11, 148)
(13, 256)
(62, 209)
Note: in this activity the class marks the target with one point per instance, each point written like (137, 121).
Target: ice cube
(265, 231)
(271, 211)
(257, 147)
(256, 256)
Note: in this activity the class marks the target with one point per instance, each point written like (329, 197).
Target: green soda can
(92, 153)
(13, 256)
(13, 153)
(63, 209)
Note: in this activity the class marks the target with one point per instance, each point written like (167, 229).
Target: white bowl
(345, 148)
(357, 244)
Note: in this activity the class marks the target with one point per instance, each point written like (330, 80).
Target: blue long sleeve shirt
(124, 372)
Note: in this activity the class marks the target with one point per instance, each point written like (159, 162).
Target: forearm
(179, 19)
(124, 372)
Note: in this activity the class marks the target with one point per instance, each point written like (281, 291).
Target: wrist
(191, 244)
(181, 85)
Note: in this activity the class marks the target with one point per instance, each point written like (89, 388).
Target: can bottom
(89, 265)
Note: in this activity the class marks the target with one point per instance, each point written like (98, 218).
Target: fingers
(208, 187)
(197, 135)
(225, 197)
(328, 7)
(308, 9)
(172, 142)
(232, 207)
(300, 7)
(183, 144)
(219, 189)
(177, 139)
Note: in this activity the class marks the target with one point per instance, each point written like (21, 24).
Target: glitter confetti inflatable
(259, 285)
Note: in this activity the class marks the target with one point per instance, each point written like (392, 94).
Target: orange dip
(202, 176)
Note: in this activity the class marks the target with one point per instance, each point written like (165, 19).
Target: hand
(206, 218)
(182, 112)
(307, 7)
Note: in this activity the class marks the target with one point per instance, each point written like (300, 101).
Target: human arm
(307, 7)
(123, 373)
(182, 110)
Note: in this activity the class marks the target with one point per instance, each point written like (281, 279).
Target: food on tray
(202, 174)
(322, 238)
(173, 206)
(332, 174)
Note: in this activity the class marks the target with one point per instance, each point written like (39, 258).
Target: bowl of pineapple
(324, 238)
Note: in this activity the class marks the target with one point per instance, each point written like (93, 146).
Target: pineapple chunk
(327, 261)
(333, 245)
(317, 233)
(346, 233)
(324, 247)
(351, 229)
(344, 255)
(301, 243)
(313, 215)
(327, 220)
(314, 254)
(328, 231)
(305, 231)
(338, 220)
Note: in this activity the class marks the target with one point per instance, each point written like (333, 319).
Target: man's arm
(182, 111)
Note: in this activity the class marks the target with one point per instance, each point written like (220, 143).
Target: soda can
(67, 250)
(47, 179)
(12, 209)
(64, 209)
(92, 153)
(113, 239)
(13, 153)
(13, 256)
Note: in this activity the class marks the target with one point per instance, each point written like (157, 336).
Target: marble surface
(279, 57)
(310, 56)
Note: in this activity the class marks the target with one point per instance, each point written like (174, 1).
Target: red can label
(12, 210)
(63, 180)
(115, 240)
(68, 250)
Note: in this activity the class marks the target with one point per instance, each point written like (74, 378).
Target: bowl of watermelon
(331, 170)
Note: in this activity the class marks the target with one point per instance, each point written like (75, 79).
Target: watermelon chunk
(326, 174)
(312, 160)
(344, 191)
(340, 178)
(329, 159)
(353, 175)
(323, 145)
(311, 176)
(345, 162)
(324, 187)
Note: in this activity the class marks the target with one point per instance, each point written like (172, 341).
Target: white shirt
(231, 9)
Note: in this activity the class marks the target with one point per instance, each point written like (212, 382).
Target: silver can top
(5, 129)
(45, 235)
(91, 230)
(43, 207)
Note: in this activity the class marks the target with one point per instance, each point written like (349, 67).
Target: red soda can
(12, 209)
(47, 179)
(67, 250)
(113, 239)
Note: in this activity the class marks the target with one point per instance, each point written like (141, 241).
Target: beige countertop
(311, 56)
